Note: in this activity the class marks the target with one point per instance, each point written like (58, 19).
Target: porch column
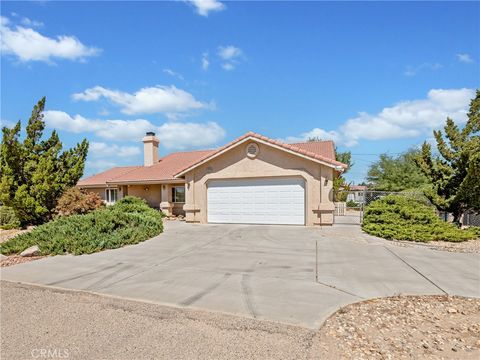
(165, 205)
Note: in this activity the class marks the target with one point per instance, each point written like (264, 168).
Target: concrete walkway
(265, 272)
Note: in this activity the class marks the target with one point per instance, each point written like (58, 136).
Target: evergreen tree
(455, 173)
(34, 173)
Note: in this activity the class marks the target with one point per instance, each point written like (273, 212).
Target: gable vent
(252, 150)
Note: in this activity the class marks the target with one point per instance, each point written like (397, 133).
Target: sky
(376, 77)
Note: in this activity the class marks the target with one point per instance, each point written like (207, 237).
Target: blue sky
(376, 76)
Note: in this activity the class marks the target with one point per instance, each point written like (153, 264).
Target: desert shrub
(404, 218)
(75, 201)
(129, 221)
(8, 218)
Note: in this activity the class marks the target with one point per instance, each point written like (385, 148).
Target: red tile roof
(305, 149)
(175, 163)
(103, 177)
(164, 169)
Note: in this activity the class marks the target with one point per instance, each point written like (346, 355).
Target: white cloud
(29, 45)
(231, 55)
(159, 99)
(405, 119)
(464, 58)
(173, 135)
(229, 52)
(204, 7)
(106, 129)
(314, 133)
(413, 70)
(205, 61)
(173, 73)
(31, 23)
(181, 136)
(228, 66)
(101, 150)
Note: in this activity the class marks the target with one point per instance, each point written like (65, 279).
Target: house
(356, 193)
(252, 180)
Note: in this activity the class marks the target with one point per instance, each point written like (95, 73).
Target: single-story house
(356, 193)
(251, 180)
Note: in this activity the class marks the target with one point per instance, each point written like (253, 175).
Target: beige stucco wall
(155, 194)
(269, 163)
(101, 191)
(151, 193)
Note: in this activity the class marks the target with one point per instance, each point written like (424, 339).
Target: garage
(256, 201)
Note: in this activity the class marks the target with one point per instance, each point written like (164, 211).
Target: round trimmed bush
(405, 218)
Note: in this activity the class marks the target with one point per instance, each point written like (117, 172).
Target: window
(111, 196)
(178, 194)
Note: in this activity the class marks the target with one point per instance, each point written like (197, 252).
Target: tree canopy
(396, 173)
(455, 171)
(35, 172)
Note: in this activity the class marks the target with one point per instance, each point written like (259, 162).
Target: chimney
(150, 149)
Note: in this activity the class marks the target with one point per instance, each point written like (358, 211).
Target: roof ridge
(292, 147)
(310, 142)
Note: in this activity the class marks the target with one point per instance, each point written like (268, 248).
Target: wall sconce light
(325, 183)
(163, 187)
(145, 188)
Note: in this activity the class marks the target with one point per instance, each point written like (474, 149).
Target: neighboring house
(252, 180)
(356, 193)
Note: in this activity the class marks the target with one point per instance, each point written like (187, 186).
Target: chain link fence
(350, 210)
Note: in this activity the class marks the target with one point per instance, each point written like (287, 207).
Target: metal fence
(350, 210)
(471, 219)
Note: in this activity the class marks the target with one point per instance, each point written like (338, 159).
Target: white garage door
(262, 201)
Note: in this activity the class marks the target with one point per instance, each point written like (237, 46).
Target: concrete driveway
(264, 272)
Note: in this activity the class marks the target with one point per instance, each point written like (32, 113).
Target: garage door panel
(262, 201)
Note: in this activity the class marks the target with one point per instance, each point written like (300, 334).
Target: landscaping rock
(31, 251)
(2, 257)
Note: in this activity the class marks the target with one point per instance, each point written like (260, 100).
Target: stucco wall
(101, 192)
(269, 162)
(151, 193)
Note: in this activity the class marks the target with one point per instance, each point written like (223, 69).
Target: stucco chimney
(150, 149)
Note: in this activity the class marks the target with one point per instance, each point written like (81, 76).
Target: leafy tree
(34, 173)
(396, 173)
(455, 172)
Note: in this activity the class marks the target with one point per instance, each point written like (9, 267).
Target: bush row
(129, 221)
(404, 218)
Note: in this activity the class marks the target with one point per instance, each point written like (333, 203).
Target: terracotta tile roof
(358, 187)
(306, 149)
(325, 148)
(103, 177)
(175, 163)
(164, 169)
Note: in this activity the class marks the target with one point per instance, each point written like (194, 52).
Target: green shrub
(352, 204)
(129, 221)
(8, 218)
(404, 218)
(75, 201)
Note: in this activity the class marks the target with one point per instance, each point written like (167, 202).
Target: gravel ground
(17, 259)
(8, 234)
(403, 327)
(88, 326)
(471, 246)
